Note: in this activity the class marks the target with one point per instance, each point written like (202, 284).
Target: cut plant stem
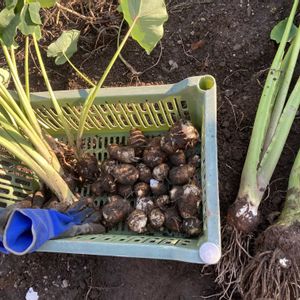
(83, 76)
(93, 92)
(55, 103)
(22, 95)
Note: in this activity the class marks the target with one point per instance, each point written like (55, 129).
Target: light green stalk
(83, 76)
(270, 159)
(92, 95)
(39, 143)
(249, 184)
(281, 98)
(22, 95)
(26, 67)
(13, 57)
(55, 103)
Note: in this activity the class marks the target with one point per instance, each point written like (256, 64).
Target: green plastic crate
(116, 110)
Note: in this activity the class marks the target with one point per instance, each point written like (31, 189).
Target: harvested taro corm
(159, 173)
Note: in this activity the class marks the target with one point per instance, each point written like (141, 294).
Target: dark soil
(236, 49)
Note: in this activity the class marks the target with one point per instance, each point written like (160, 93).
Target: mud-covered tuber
(161, 172)
(192, 226)
(156, 218)
(145, 173)
(137, 221)
(153, 157)
(104, 184)
(124, 190)
(124, 154)
(125, 174)
(182, 174)
(115, 211)
(177, 158)
(145, 204)
(141, 189)
(158, 188)
(188, 203)
(172, 220)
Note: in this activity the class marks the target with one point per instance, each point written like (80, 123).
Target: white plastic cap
(210, 253)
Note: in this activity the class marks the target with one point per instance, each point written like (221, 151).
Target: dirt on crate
(227, 39)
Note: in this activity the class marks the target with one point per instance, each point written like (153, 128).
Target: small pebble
(65, 284)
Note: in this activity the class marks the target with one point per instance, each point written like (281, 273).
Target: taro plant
(22, 134)
(274, 271)
(274, 117)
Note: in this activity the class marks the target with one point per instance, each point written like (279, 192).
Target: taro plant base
(153, 109)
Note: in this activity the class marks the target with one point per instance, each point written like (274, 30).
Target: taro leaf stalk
(274, 271)
(145, 19)
(272, 124)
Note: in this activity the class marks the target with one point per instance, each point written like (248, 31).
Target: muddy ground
(236, 49)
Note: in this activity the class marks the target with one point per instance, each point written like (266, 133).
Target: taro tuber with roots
(273, 273)
(276, 112)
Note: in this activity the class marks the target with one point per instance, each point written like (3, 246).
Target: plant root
(271, 275)
(233, 261)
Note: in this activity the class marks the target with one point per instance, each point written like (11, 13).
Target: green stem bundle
(272, 124)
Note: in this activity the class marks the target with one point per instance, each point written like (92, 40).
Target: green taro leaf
(34, 12)
(44, 3)
(4, 77)
(10, 3)
(6, 16)
(151, 15)
(65, 45)
(278, 30)
(27, 26)
(9, 23)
